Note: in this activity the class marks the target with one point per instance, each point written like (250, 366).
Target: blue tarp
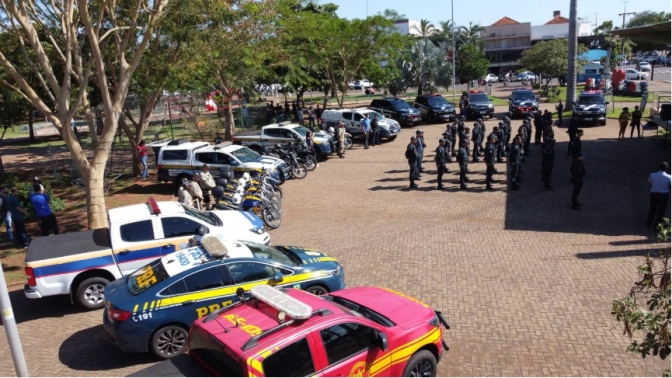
(593, 55)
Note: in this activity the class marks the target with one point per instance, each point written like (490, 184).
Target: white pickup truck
(82, 263)
(283, 133)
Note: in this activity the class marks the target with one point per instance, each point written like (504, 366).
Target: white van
(389, 128)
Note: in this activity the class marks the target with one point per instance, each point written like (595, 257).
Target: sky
(484, 13)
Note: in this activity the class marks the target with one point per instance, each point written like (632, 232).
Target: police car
(523, 102)
(591, 106)
(153, 308)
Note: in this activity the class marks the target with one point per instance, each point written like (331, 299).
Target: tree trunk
(325, 102)
(2, 168)
(31, 129)
(333, 91)
(419, 88)
(230, 125)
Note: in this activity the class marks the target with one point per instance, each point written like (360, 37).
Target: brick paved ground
(525, 282)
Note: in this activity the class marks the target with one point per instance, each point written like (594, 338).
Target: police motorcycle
(332, 132)
(288, 155)
(245, 199)
(255, 182)
(304, 154)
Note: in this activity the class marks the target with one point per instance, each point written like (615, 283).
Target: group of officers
(502, 142)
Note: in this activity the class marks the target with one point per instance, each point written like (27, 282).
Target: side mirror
(382, 341)
(201, 231)
(233, 163)
(277, 277)
(240, 293)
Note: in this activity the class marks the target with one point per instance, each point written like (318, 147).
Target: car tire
(392, 138)
(317, 290)
(421, 364)
(91, 293)
(168, 341)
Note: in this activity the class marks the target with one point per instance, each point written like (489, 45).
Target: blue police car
(153, 308)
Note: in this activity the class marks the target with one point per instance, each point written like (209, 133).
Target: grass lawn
(579, 89)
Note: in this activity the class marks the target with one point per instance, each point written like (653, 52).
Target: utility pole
(625, 4)
(367, 8)
(596, 19)
(452, 33)
(11, 330)
(571, 59)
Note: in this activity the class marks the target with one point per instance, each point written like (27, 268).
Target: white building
(410, 27)
(558, 27)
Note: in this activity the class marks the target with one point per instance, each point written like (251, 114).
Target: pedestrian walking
(366, 129)
(412, 158)
(515, 156)
(375, 131)
(660, 193)
(463, 161)
(340, 136)
(578, 174)
(420, 146)
(489, 162)
(311, 118)
(18, 219)
(476, 135)
(441, 158)
(623, 119)
(560, 108)
(548, 160)
(5, 213)
(575, 145)
(142, 155)
(46, 217)
(636, 122)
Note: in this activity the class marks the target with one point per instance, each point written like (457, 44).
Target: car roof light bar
(294, 308)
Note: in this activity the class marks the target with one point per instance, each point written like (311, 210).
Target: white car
(362, 84)
(490, 78)
(644, 66)
(632, 74)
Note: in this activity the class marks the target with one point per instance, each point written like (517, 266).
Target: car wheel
(317, 290)
(392, 138)
(169, 341)
(422, 364)
(91, 293)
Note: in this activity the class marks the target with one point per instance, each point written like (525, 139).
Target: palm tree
(444, 38)
(471, 35)
(426, 29)
(427, 67)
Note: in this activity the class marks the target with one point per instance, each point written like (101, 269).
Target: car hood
(523, 102)
(404, 310)
(238, 220)
(409, 110)
(589, 107)
(266, 160)
(313, 259)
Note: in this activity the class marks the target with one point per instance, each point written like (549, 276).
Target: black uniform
(578, 172)
(636, 122)
(464, 136)
(440, 158)
(460, 127)
(528, 138)
(476, 136)
(575, 147)
(489, 164)
(453, 138)
(447, 137)
(501, 139)
(547, 120)
(515, 157)
(412, 157)
(522, 131)
(374, 135)
(547, 161)
(507, 125)
(463, 160)
(538, 126)
(572, 130)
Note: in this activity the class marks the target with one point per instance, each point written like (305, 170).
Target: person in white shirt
(660, 192)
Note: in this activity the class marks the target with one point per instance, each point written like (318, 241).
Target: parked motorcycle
(348, 138)
(288, 155)
(304, 154)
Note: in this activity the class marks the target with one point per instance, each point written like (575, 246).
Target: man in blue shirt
(47, 218)
(366, 127)
(18, 218)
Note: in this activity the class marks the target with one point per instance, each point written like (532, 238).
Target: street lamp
(452, 33)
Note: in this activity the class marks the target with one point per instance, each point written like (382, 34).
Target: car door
(299, 349)
(135, 245)
(351, 350)
(176, 232)
(272, 136)
(197, 294)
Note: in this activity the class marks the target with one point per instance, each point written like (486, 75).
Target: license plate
(589, 119)
(483, 112)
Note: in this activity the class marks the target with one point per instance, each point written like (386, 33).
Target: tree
(443, 37)
(13, 109)
(619, 47)
(645, 311)
(426, 29)
(388, 77)
(604, 28)
(648, 18)
(549, 57)
(471, 63)
(91, 41)
(471, 35)
(392, 15)
(428, 67)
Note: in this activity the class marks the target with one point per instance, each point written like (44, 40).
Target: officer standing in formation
(420, 146)
(489, 161)
(447, 140)
(527, 124)
(476, 137)
(515, 159)
(441, 158)
(548, 151)
(507, 126)
(453, 138)
(575, 145)
(463, 161)
(501, 140)
(577, 174)
(412, 157)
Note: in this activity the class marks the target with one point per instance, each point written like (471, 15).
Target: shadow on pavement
(90, 350)
(158, 188)
(26, 309)
(615, 254)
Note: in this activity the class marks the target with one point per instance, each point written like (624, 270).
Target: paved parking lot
(525, 282)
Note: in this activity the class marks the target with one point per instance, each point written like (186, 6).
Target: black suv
(397, 109)
(523, 102)
(434, 107)
(591, 106)
(479, 105)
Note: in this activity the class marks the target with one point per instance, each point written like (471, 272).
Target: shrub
(55, 203)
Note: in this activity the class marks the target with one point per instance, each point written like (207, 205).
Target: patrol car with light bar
(82, 263)
(591, 106)
(153, 308)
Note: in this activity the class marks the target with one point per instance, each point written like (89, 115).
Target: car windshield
(275, 254)
(245, 155)
(400, 104)
(206, 216)
(521, 95)
(359, 310)
(437, 101)
(589, 100)
(372, 114)
(301, 130)
(146, 277)
(479, 97)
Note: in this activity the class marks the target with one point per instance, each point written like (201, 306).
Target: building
(558, 27)
(505, 41)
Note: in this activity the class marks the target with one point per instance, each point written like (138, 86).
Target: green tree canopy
(471, 63)
(548, 57)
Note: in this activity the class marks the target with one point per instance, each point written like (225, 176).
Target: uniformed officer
(463, 161)
(476, 135)
(528, 136)
(493, 135)
(538, 126)
(440, 158)
(460, 124)
(575, 145)
(522, 132)
(577, 172)
(507, 125)
(547, 119)
(412, 157)
(207, 183)
(501, 139)
(453, 139)
(447, 137)
(464, 137)
(489, 161)
(515, 157)
(548, 159)
(480, 142)
(420, 146)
